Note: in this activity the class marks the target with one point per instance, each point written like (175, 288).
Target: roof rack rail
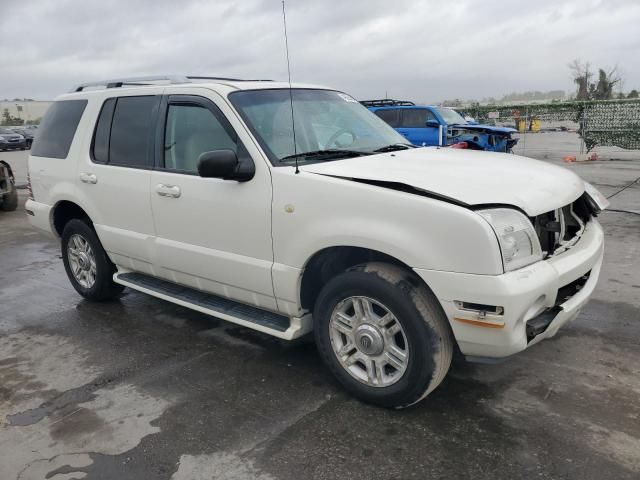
(119, 82)
(191, 77)
(148, 80)
(387, 102)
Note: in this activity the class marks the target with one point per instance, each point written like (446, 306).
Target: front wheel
(86, 263)
(383, 335)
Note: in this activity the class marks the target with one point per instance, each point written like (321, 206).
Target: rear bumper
(39, 215)
(523, 294)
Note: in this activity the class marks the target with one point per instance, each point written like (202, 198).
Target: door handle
(88, 178)
(172, 191)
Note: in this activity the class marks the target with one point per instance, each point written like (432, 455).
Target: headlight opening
(517, 238)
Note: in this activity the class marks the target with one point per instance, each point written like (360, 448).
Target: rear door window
(58, 128)
(416, 117)
(390, 115)
(132, 131)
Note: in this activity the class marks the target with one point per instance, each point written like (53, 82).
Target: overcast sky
(422, 50)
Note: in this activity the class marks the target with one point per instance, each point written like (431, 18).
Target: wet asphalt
(142, 389)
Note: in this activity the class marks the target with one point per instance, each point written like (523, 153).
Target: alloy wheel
(82, 260)
(369, 341)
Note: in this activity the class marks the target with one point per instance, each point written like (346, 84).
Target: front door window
(192, 130)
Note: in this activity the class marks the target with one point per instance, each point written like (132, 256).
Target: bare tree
(606, 82)
(581, 74)
(588, 90)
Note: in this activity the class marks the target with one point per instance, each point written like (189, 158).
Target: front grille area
(559, 229)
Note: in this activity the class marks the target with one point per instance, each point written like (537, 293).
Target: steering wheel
(334, 138)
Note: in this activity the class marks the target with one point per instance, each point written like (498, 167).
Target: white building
(26, 110)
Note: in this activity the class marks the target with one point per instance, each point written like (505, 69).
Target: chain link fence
(610, 129)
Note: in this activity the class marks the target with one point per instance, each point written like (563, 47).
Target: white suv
(205, 193)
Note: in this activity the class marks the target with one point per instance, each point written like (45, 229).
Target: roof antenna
(293, 123)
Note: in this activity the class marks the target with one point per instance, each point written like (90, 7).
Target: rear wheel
(86, 263)
(383, 335)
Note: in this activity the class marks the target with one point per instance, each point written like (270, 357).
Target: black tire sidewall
(9, 202)
(421, 337)
(103, 287)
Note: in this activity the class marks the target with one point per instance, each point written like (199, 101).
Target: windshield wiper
(329, 154)
(393, 147)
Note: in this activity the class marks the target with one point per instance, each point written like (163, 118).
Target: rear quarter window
(58, 128)
(100, 146)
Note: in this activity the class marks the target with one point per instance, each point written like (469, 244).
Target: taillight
(459, 145)
(29, 187)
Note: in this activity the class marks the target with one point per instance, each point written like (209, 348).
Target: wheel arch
(328, 262)
(64, 211)
(325, 264)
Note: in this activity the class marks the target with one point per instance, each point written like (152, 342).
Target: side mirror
(433, 123)
(224, 164)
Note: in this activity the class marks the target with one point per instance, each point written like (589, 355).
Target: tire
(10, 200)
(78, 236)
(425, 335)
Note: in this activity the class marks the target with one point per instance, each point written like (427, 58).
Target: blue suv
(425, 125)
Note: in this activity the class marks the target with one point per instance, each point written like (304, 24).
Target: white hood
(470, 177)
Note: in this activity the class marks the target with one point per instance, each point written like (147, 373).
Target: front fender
(312, 212)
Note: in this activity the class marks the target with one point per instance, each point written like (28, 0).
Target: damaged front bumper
(479, 137)
(531, 303)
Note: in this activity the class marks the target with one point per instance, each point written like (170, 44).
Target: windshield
(325, 120)
(450, 116)
(5, 131)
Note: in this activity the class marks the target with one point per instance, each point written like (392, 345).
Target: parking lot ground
(141, 389)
